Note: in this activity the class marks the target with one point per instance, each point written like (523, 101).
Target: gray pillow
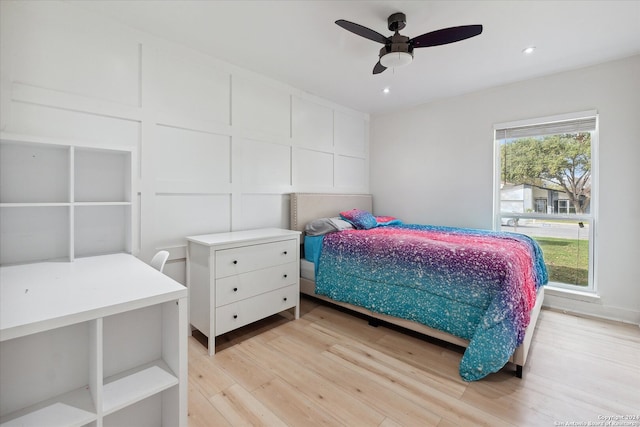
(322, 226)
(341, 224)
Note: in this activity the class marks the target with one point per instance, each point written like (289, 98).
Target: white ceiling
(298, 43)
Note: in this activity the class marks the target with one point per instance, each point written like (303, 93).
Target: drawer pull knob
(285, 298)
(285, 276)
(235, 261)
(235, 316)
(285, 252)
(235, 289)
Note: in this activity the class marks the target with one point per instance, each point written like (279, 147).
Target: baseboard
(594, 309)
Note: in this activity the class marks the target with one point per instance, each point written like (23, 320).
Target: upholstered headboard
(305, 207)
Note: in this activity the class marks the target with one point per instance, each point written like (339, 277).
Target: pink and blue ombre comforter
(475, 284)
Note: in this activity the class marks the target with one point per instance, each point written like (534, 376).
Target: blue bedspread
(478, 285)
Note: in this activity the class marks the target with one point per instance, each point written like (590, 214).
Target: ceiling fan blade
(378, 68)
(365, 32)
(446, 35)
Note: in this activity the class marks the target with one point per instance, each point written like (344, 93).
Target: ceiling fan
(398, 49)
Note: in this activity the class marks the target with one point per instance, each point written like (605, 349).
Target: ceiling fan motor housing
(399, 43)
(397, 21)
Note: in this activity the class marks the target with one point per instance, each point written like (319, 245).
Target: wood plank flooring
(331, 368)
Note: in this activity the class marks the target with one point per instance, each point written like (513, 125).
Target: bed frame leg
(518, 371)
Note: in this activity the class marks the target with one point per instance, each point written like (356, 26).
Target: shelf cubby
(34, 173)
(145, 413)
(63, 199)
(101, 229)
(31, 234)
(137, 385)
(62, 373)
(102, 175)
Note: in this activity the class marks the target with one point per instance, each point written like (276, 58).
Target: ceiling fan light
(396, 59)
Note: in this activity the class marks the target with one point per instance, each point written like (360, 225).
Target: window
(565, 207)
(545, 173)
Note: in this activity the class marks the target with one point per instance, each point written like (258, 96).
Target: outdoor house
(523, 198)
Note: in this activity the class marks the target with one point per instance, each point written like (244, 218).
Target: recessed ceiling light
(529, 50)
(385, 90)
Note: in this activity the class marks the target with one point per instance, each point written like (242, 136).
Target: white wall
(219, 147)
(434, 164)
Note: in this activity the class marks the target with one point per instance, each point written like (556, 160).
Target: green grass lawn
(567, 260)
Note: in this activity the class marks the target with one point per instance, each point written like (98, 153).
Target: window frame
(591, 217)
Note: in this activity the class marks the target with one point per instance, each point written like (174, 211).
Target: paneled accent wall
(219, 147)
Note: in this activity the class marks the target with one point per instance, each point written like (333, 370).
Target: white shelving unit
(101, 341)
(89, 334)
(62, 199)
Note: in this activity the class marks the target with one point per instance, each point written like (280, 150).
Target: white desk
(101, 339)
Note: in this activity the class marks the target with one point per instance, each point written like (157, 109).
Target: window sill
(572, 294)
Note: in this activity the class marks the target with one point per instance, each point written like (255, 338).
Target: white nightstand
(239, 277)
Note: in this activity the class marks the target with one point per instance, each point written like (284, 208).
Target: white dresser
(239, 277)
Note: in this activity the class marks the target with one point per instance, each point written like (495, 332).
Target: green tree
(563, 161)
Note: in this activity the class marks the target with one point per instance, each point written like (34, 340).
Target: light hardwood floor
(331, 368)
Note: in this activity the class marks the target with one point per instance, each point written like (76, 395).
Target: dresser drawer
(237, 314)
(254, 257)
(234, 288)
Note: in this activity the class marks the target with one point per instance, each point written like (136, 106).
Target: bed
(495, 327)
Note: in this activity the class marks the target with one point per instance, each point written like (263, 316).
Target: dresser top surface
(242, 236)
